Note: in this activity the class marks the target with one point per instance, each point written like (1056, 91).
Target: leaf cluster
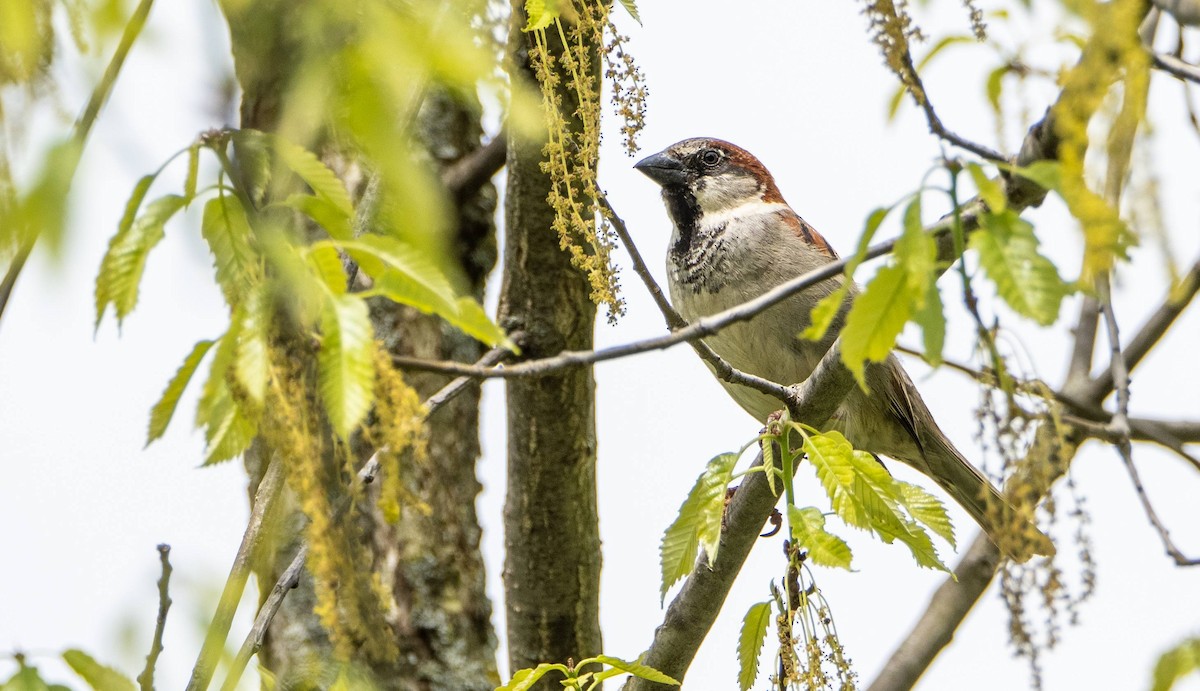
(576, 679)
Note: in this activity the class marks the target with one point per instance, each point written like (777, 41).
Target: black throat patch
(685, 214)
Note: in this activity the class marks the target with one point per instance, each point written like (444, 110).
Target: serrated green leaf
(164, 410)
(252, 364)
(637, 669)
(1176, 663)
(750, 643)
(862, 491)
(698, 523)
(769, 462)
(875, 489)
(876, 319)
(402, 273)
(325, 213)
(991, 191)
(227, 231)
(524, 679)
(228, 430)
(323, 181)
(134, 203)
(98, 676)
(1026, 280)
(193, 172)
(807, 527)
(124, 263)
(345, 365)
(632, 9)
(540, 13)
(931, 317)
(926, 509)
(327, 264)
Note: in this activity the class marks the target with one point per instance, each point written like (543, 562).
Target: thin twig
(1080, 368)
(146, 678)
(291, 575)
(214, 639)
(1177, 300)
(81, 130)
(1177, 68)
(1120, 424)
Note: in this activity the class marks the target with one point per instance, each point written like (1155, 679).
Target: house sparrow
(735, 238)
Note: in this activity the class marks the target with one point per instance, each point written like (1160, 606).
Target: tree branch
(1176, 301)
(1120, 423)
(465, 176)
(214, 639)
(1184, 71)
(146, 678)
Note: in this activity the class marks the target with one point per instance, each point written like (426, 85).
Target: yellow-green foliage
(350, 605)
(397, 432)
(567, 44)
(1113, 48)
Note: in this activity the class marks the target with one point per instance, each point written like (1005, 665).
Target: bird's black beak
(663, 169)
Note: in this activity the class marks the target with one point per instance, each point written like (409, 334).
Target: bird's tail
(1010, 526)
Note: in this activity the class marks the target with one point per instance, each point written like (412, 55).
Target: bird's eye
(710, 157)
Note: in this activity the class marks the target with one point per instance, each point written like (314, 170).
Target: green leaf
(323, 181)
(325, 213)
(1026, 280)
(698, 523)
(254, 162)
(227, 231)
(932, 320)
(750, 643)
(27, 678)
(125, 261)
(632, 9)
(995, 85)
(134, 204)
(474, 321)
(862, 493)
(524, 679)
(916, 252)
(43, 210)
(808, 531)
(253, 364)
(1047, 174)
(193, 172)
(1176, 663)
(926, 509)
(228, 430)
(402, 273)
(875, 319)
(827, 308)
(97, 676)
(346, 367)
(991, 191)
(541, 14)
(637, 669)
(327, 263)
(160, 415)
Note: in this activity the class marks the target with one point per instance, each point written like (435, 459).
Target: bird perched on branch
(736, 238)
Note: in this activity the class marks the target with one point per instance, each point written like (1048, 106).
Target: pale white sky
(799, 85)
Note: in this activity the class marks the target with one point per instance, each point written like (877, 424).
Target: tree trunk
(552, 542)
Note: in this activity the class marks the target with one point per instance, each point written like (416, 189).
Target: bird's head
(715, 176)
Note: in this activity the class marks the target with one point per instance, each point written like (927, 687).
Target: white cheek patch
(747, 208)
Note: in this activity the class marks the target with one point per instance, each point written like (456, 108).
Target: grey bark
(552, 542)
